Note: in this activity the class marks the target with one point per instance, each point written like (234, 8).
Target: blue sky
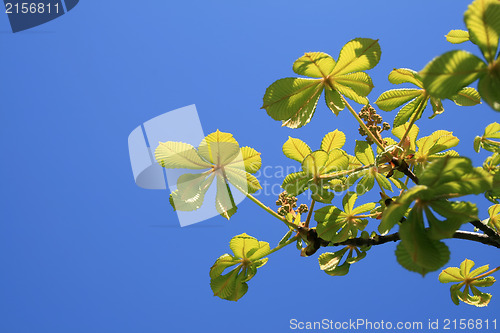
(83, 249)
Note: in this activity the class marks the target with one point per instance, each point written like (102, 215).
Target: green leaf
(450, 274)
(329, 263)
(221, 264)
(360, 82)
(423, 251)
(393, 213)
(468, 96)
(446, 74)
(409, 109)
(435, 143)
(320, 192)
(333, 140)
(364, 152)
(482, 18)
(469, 279)
(405, 258)
(249, 160)
(351, 94)
(412, 134)
(296, 149)
(224, 201)
(242, 244)
(219, 148)
(492, 131)
(179, 155)
(337, 161)
(293, 100)
(494, 217)
(457, 36)
(456, 213)
(314, 64)
(394, 98)
(405, 75)
(313, 163)
(333, 100)
(357, 55)
(191, 190)
(296, 183)
(489, 86)
(243, 181)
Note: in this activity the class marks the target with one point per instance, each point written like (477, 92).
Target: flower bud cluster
(287, 204)
(373, 122)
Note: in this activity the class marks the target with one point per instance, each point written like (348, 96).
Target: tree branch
(487, 230)
(379, 240)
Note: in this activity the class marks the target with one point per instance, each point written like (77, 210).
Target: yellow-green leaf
(219, 148)
(405, 75)
(468, 96)
(457, 36)
(293, 100)
(172, 155)
(357, 55)
(333, 140)
(296, 149)
(314, 64)
(482, 18)
(446, 74)
(391, 99)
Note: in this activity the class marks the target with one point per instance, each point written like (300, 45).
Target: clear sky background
(83, 249)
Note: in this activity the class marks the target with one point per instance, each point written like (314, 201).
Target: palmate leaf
(294, 100)
(335, 225)
(470, 280)
(457, 36)
(248, 255)
(221, 155)
(443, 178)
(489, 140)
(482, 18)
(446, 74)
(430, 146)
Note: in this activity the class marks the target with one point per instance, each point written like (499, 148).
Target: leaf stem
(270, 211)
(345, 172)
(487, 273)
(362, 124)
(288, 242)
(306, 223)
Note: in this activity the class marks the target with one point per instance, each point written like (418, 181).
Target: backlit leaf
(457, 36)
(359, 54)
(482, 18)
(292, 100)
(296, 149)
(394, 98)
(446, 74)
(314, 64)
